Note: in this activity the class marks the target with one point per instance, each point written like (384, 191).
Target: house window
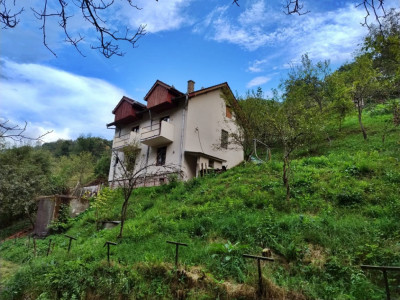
(211, 163)
(224, 139)
(166, 119)
(228, 112)
(116, 160)
(162, 181)
(118, 132)
(161, 155)
(135, 129)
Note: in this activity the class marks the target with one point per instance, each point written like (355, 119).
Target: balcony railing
(126, 139)
(157, 134)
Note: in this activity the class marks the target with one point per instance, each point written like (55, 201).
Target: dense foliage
(54, 168)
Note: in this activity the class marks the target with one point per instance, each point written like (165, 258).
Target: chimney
(190, 88)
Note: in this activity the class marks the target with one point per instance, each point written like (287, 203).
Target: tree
(383, 43)
(110, 35)
(132, 171)
(308, 80)
(102, 167)
(363, 83)
(75, 170)
(293, 124)
(24, 175)
(338, 94)
(249, 116)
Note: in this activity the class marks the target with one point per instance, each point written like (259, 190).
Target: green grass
(344, 212)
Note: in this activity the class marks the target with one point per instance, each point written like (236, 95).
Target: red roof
(134, 103)
(171, 89)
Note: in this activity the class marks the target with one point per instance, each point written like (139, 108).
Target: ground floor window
(161, 155)
(211, 163)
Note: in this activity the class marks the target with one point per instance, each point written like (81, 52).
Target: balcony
(126, 139)
(157, 134)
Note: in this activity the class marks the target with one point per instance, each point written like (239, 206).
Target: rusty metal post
(70, 241)
(48, 248)
(386, 284)
(108, 250)
(177, 244)
(384, 270)
(259, 259)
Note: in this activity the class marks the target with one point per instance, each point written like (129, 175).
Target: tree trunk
(30, 219)
(359, 107)
(285, 176)
(123, 216)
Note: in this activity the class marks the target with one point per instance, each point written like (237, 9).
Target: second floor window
(224, 139)
(166, 119)
(228, 112)
(161, 156)
(118, 132)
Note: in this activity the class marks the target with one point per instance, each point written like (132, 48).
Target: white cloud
(257, 81)
(255, 14)
(158, 15)
(332, 35)
(52, 99)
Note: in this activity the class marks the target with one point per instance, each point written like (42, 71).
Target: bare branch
(110, 37)
(374, 8)
(107, 36)
(16, 132)
(42, 16)
(294, 7)
(8, 19)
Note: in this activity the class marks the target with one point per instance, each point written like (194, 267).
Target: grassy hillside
(344, 212)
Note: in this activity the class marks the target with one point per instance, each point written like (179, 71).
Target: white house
(188, 130)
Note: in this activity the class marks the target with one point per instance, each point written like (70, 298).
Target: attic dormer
(160, 96)
(127, 111)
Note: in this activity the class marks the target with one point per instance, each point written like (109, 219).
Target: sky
(250, 46)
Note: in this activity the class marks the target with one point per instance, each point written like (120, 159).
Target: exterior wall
(149, 153)
(206, 118)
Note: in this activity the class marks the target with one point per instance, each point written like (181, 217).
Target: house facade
(189, 131)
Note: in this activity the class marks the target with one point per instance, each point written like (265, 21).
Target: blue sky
(209, 42)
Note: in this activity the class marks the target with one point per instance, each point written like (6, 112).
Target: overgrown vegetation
(343, 213)
(54, 168)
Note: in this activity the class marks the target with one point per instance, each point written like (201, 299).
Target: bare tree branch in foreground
(109, 36)
(374, 8)
(16, 132)
(294, 7)
(90, 10)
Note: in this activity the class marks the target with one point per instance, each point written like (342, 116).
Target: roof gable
(137, 105)
(170, 89)
(160, 96)
(210, 89)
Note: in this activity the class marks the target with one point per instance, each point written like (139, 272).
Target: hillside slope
(344, 212)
